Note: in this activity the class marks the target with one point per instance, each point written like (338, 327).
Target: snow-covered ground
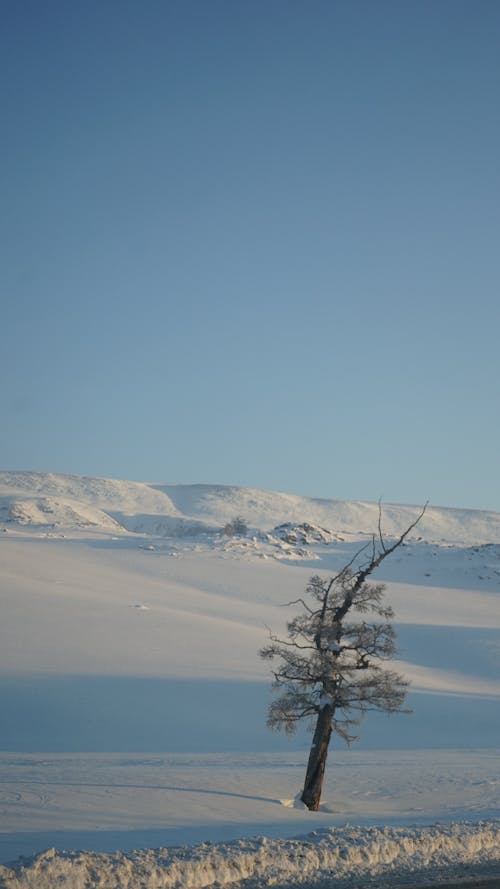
(133, 700)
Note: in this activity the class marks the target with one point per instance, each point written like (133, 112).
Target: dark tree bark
(315, 773)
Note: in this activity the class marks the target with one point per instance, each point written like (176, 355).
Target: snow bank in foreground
(331, 856)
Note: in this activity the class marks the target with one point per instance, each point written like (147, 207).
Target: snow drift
(331, 857)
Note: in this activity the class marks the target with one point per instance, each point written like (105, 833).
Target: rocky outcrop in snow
(304, 534)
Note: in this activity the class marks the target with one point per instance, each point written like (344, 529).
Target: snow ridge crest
(152, 508)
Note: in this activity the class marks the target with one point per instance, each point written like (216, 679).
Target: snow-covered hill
(56, 491)
(166, 510)
(55, 512)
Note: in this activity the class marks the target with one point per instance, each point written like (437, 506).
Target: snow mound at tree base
(331, 857)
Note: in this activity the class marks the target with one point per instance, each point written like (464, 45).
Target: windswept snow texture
(133, 700)
(328, 857)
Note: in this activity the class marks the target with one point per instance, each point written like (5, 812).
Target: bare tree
(331, 667)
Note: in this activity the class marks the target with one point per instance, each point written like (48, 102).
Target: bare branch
(292, 644)
(362, 575)
(380, 535)
(298, 602)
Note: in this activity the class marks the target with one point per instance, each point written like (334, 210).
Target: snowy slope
(141, 506)
(55, 512)
(133, 699)
(265, 509)
(67, 502)
(106, 494)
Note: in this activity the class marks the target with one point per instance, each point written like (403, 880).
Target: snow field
(131, 623)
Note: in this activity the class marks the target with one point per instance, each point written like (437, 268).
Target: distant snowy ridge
(330, 857)
(56, 513)
(169, 510)
(104, 493)
(78, 502)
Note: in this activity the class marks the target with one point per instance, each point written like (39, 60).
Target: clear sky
(254, 242)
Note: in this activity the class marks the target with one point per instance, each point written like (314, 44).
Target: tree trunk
(315, 773)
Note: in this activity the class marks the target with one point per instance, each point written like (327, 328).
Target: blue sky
(254, 243)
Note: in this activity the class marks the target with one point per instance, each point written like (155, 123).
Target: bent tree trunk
(315, 773)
